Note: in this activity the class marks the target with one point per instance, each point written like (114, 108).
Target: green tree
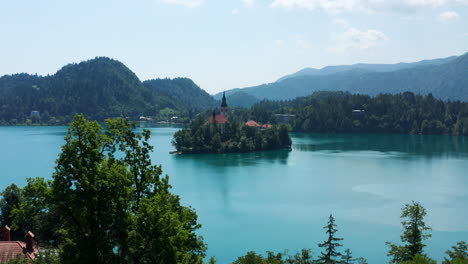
(419, 259)
(331, 244)
(253, 258)
(458, 253)
(347, 257)
(35, 214)
(117, 208)
(11, 199)
(414, 233)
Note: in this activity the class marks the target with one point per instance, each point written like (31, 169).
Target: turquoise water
(281, 199)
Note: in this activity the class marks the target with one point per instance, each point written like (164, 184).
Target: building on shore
(284, 118)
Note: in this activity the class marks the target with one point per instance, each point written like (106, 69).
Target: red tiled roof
(252, 123)
(14, 249)
(220, 119)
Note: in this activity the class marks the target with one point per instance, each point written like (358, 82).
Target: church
(222, 117)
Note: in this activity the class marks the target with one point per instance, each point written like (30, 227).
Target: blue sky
(224, 44)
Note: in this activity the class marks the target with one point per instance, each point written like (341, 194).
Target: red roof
(219, 119)
(252, 123)
(10, 250)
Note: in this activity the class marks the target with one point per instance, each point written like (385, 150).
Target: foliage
(99, 88)
(347, 257)
(229, 137)
(11, 199)
(183, 91)
(35, 213)
(419, 259)
(332, 112)
(107, 203)
(414, 233)
(458, 254)
(331, 244)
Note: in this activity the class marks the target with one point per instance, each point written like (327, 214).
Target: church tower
(224, 106)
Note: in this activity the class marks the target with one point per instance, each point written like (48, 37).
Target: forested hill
(343, 112)
(183, 91)
(445, 79)
(99, 88)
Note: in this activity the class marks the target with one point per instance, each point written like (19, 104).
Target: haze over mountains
(445, 78)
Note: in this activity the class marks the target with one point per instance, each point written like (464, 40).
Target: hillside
(237, 98)
(183, 91)
(445, 79)
(367, 67)
(99, 88)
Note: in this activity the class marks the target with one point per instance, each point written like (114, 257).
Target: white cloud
(248, 3)
(448, 15)
(186, 3)
(335, 6)
(342, 22)
(356, 40)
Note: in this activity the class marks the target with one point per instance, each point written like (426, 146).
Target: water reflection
(239, 159)
(419, 145)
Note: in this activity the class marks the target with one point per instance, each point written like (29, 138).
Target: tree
(331, 244)
(117, 208)
(414, 233)
(253, 258)
(34, 212)
(11, 199)
(347, 257)
(458, 253)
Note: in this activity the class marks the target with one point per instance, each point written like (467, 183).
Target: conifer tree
(347, 258)
(415, 232)
(331, 244)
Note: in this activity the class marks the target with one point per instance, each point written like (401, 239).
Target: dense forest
(99, 88)
(332, 112)
(234, 136)
(105, 189)
(445, 79)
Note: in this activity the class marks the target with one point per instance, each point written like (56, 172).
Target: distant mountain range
(99, 88)
(445, 78)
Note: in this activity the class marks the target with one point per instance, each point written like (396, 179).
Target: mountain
(445, 79)
(100, 88)
(183, 91)
(367, 67)
(237, 98)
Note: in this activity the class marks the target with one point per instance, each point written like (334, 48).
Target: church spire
(224, 105)
(223, 102)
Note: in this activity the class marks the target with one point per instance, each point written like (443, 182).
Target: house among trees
(222, 117)
(284, 118)
(11, 250)
(252, 123)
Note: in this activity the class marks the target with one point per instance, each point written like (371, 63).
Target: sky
(225, 44)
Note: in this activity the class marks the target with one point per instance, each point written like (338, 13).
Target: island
(219, 135)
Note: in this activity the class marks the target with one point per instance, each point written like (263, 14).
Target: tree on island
(414, 233)
(234, 136)
(331, 244)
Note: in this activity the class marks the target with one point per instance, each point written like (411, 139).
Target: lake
(280, 200)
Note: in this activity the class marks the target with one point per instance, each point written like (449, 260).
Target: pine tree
(347, 258)
(331, 244)
(414, 233)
